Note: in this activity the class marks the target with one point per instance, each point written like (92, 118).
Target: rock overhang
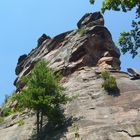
(91, 45)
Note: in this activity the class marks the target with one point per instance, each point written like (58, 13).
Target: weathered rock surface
(91, 19)
(80, 57)
(100, 116)
(72, 50)
(11, 129)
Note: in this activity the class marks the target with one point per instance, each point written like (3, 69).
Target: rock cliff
(80, 55)
(90, 45)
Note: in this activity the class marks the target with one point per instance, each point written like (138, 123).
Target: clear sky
(22, 22)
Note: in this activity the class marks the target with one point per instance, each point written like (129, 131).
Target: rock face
(91, 46)
(42, 39)
(100, 116)
(80, 55)
(91, 19)
(134, 73)
(19, 67)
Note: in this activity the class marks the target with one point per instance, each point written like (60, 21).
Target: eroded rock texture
(100, 116)
(80, 55)
(91, 46)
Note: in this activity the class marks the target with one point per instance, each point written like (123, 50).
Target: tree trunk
(37, 123)
(41, 120)
(41, 124)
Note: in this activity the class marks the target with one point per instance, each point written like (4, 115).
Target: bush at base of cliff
(20, 122)
(44, 94)
(109, 83)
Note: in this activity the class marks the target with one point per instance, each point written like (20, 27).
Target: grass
(82, 31)
(76, 131)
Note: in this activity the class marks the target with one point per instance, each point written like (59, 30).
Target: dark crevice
(130, 135)
(69, 70)
(78, 54)
(57, 40)
(100, 30)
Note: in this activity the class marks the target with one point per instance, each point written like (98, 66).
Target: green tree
(129, 41)
(44, 94)
(109, 83)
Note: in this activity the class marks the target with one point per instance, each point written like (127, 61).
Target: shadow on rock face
(53, 132)
(114, 93)
(60, 132)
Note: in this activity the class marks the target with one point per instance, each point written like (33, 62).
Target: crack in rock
(130, 135)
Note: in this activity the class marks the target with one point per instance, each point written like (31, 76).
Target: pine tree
(43, 94)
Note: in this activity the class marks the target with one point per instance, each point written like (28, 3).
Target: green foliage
(44, 94)
(1, 119)
(109, 83)
(118, 5)
(105, 75)
(20, 122)
(7, 111)
(43, 89)
(82, 31)
(129, 41)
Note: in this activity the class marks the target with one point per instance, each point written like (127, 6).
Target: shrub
(109, 83)
(105, 75)
(7, 111)
(20, 122)
(1, 119)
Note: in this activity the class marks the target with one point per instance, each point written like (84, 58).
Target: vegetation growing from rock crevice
(6, 111)
(1, 119)
(43, 94)
(20, 122)
(109, 83)
(82, 31)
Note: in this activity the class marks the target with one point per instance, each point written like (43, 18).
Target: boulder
(134, 73)
(91, 19)
(22, 58)
(42, 39)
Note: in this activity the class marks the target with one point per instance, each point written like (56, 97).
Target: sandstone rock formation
(134, 73)
(74, 49)
(91, 19)
(80, 55)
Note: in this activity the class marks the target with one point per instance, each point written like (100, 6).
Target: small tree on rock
(44, 94)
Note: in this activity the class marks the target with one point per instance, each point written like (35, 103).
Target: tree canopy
(130, 40)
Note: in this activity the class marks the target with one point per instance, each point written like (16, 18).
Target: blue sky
(24, 21)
